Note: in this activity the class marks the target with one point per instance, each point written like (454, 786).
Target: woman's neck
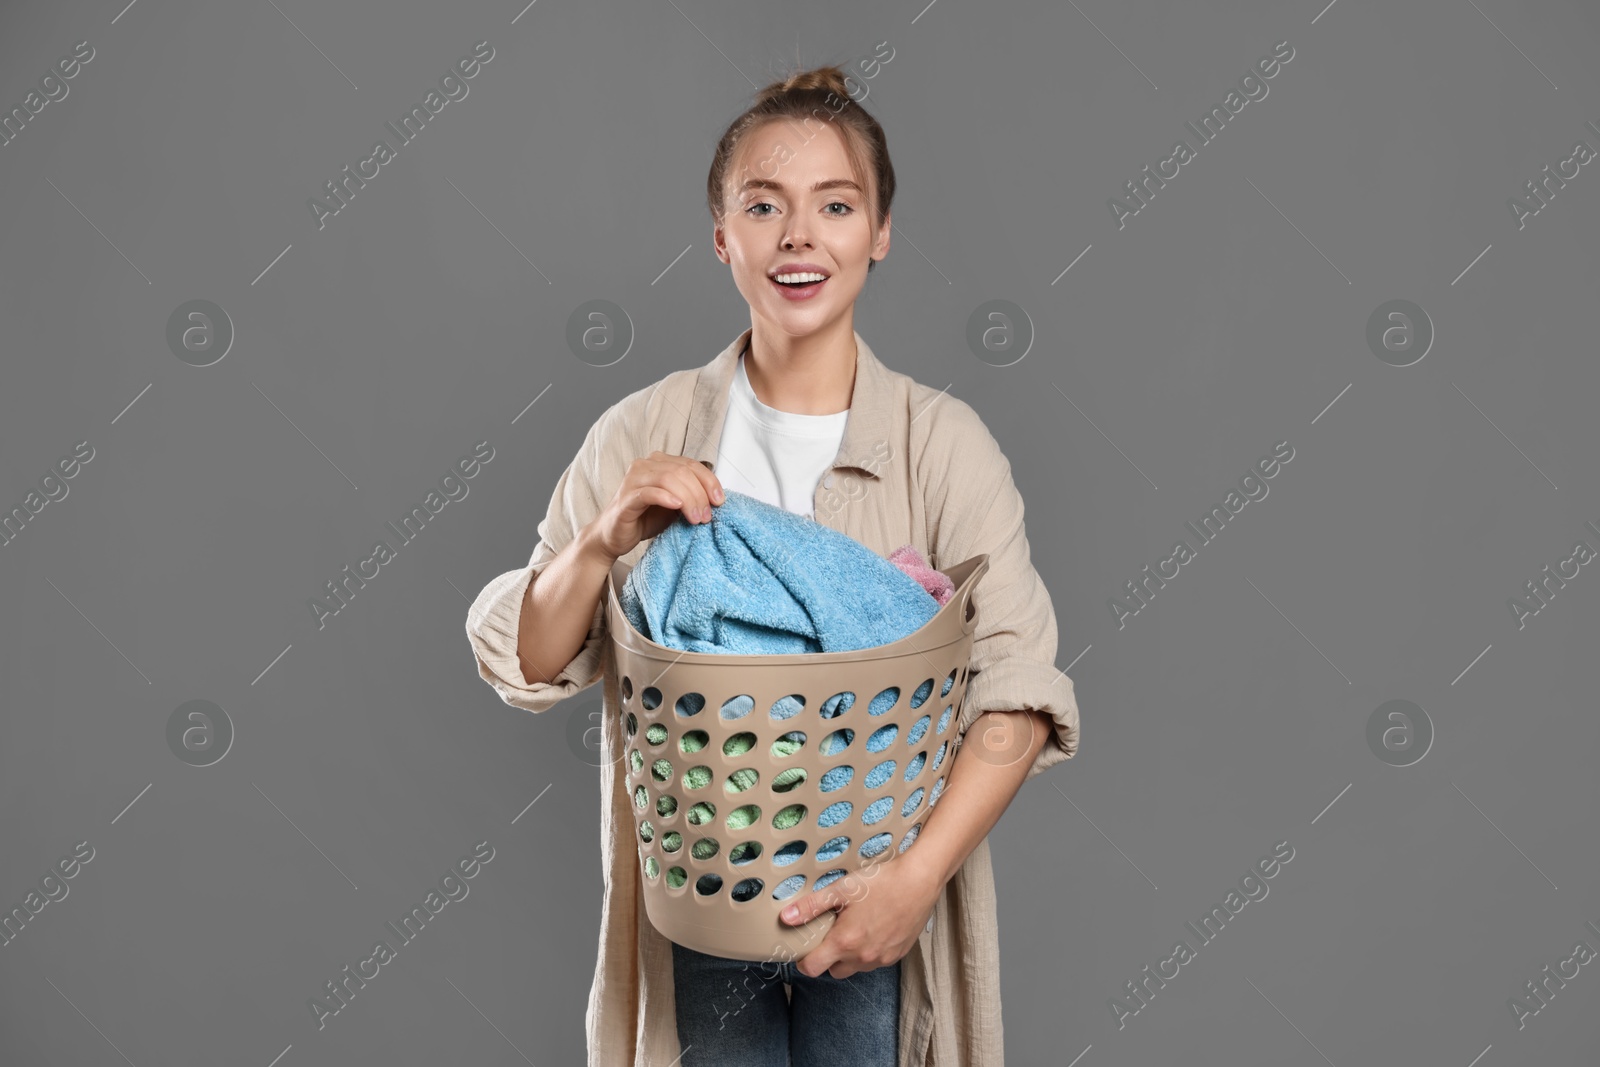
(811, 375)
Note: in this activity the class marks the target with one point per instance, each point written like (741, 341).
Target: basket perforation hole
(944, 718)
(747, 889)
(788, 744)
(828, 879)
(836, 778)
(652, 869)
(875, 844)
(742, 779)
(789, 817)
(948, 682)
(837, 741)
(884, 701)
(636, 760)
(672, 842)
(701, 813)
(641, 797)
(697, 777)
(661, 770)
(708, 884)
(835, 813)
(737, 707)
(739, 744)
(913, 802)
(911, 835)
(785, 780)
(789, 853)
(914, 768)
(656, 734)
(832, 849)
(693, 741)
(938, 757)
(647, 832)
(706, 848)
(789, 887)
(650, 700)
(627, 688)
(676, 876)
(743, 817)
(924, 691)
(744, 852)
(918, 730)
(877, 811)
(837, 705)
(882, 738)
(633, 724)
(666, 807)
(881, 774)
(788, 707)
(689, 704)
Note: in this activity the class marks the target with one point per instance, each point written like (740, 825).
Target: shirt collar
(868, 425)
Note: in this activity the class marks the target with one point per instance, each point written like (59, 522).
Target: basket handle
(965, 575)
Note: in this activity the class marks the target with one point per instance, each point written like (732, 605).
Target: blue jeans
(733, 1013)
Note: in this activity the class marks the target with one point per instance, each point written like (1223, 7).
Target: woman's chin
(799, 322)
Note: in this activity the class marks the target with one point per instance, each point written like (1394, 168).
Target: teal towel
(758, 579)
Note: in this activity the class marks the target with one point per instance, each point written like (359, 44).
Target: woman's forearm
(559, 605)
(980, 786)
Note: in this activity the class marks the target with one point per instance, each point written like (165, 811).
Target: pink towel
(908, 559)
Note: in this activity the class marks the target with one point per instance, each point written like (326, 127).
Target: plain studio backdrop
(344, 365)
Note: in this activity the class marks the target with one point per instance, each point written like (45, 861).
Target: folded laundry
(758, 579)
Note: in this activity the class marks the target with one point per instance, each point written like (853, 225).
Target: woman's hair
(813, 98)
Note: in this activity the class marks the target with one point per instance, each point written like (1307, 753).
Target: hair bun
(829, 79)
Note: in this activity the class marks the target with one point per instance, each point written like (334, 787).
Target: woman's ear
(880, 247)
(718, 243)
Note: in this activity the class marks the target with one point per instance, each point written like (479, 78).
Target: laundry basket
(732, 825)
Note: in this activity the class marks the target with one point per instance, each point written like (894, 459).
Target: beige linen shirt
(914, 465)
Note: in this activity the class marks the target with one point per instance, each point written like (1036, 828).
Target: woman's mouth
(799, 285)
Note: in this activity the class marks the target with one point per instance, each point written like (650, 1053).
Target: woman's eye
(753, 209)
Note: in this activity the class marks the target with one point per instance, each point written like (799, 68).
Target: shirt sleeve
(493, 619)
(974, 508)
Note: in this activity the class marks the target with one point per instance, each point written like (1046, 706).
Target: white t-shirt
(775, 456)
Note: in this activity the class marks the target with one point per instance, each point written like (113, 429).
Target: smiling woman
(800, 189)
(907, 973)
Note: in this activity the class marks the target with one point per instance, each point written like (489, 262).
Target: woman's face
(776, 217)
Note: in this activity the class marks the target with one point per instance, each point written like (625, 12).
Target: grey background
(368, 755)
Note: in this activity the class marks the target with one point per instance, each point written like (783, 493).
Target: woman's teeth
(798, 279)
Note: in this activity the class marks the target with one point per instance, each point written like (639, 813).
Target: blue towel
(760, 579)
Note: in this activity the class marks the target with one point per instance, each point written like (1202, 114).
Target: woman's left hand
(882, 912)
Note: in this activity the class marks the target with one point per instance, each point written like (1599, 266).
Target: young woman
(799, 411)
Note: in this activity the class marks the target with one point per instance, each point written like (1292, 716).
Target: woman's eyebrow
(828, 183)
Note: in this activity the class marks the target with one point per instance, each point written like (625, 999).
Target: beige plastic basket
(722, 856)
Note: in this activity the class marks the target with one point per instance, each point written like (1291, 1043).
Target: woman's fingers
(682, 483)
(708, 481)
(693, 485)
(647, 496)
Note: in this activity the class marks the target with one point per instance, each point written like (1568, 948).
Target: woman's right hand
(654, 491)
